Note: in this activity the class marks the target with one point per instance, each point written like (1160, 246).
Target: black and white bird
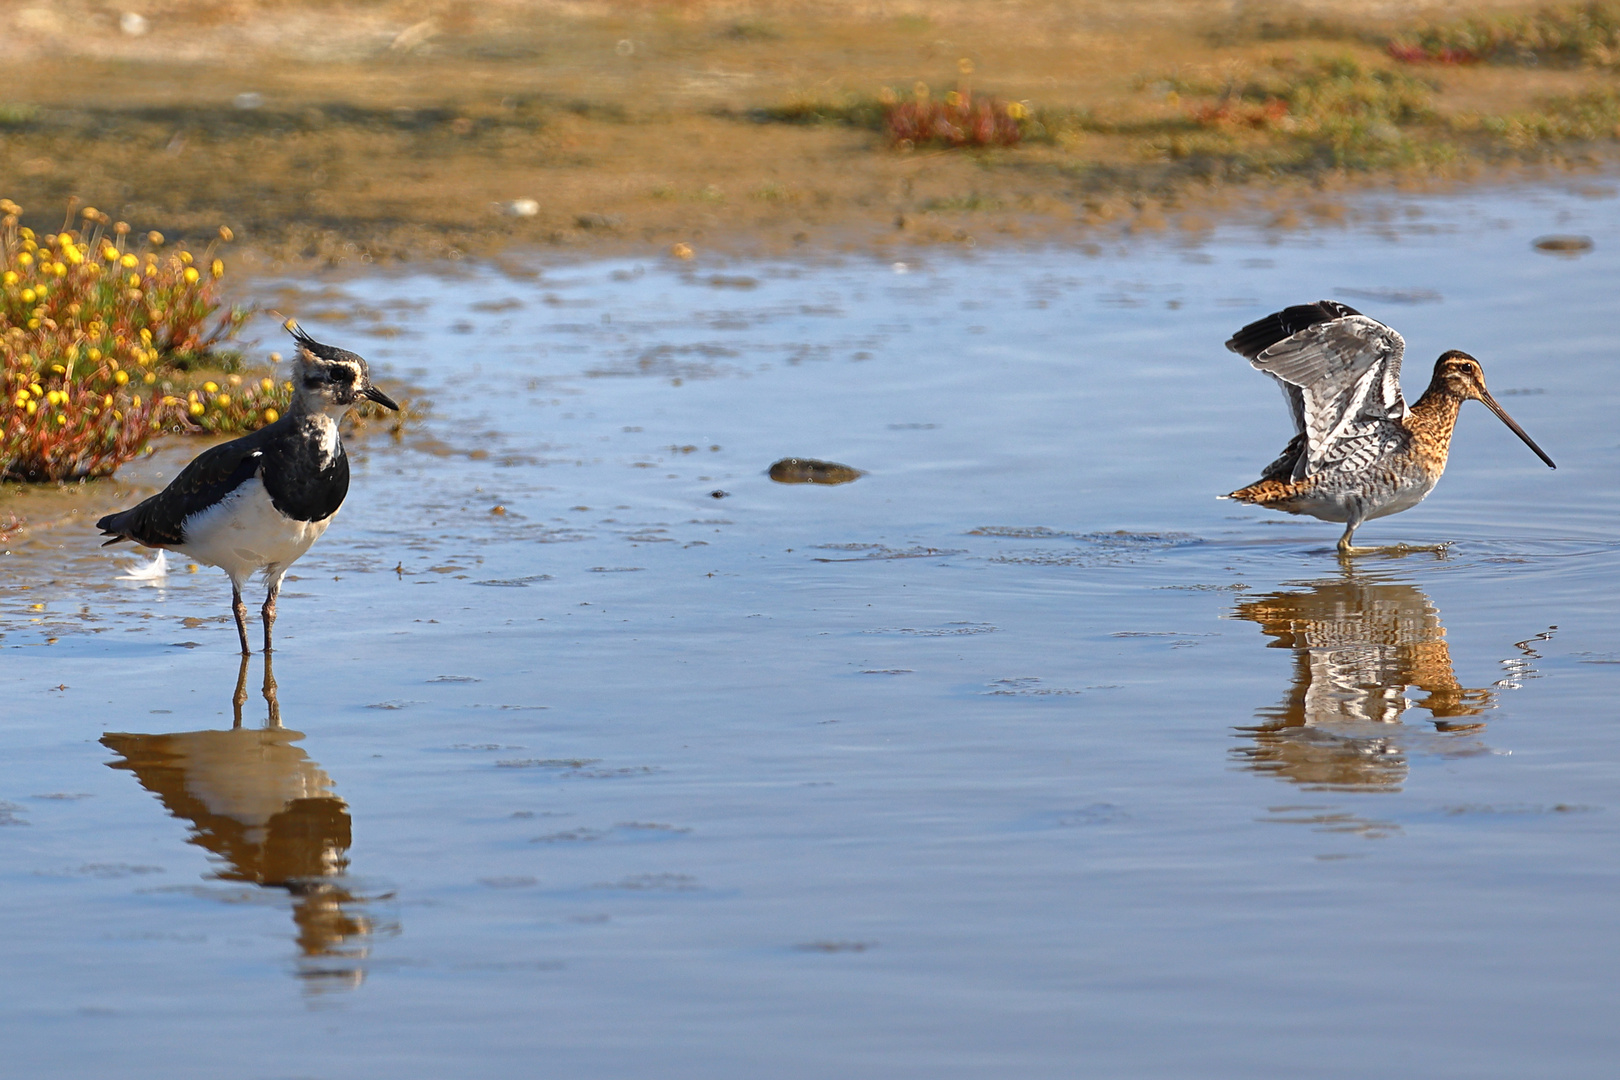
(259, 502)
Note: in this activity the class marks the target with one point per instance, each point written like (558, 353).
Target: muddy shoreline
(410, 133)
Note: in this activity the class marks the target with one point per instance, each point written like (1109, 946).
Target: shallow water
(1019, 755)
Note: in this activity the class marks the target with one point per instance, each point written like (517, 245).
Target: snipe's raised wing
(1341, 372)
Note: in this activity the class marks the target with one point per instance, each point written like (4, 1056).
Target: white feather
(152, 573)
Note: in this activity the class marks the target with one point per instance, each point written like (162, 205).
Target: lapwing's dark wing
(216, 472)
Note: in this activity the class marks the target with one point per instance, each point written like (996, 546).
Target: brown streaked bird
(1358, 451)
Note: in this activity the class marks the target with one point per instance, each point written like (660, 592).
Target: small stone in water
(810, 471)
(1564, 245)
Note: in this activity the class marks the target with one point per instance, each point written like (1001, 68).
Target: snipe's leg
(270, 693)
(239, 609)
(269, 611)
(1346, 548)
(240, 697)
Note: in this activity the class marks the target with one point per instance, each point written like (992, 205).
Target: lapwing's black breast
(1262, 334)
(303, 482)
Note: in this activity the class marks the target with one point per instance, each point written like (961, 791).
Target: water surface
(591, 750)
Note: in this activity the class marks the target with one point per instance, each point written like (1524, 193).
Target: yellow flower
(146, 334)
(192, 397)
(33, 407)
(271, 416)
(60, 419)
(24, 259)
(191, 275)
(59, 269)
(128, 261)
(134, 280)
(185, 257)
(223, 401)
(107, 401)
(154, 238)
(95, 354)
(28, 296)
(267, 385)
(109, 253)
(225, 234)
(196, 408)
(10, 277)
(149, 377)
(218, 268)
(121, 377)
(135, 401)
(38, 390)
(41, 290)
(211, 386)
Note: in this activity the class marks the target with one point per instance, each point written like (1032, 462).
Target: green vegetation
(1570, 35)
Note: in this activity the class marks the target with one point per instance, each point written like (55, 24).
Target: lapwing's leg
(239, 609)
(269, 609)
(240, 698)
(270, 693)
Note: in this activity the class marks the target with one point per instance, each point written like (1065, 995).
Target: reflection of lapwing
(259, 502)
(1357, 646)
(1358, 451)
(268, 813)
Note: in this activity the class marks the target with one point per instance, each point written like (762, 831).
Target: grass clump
(1570, 35)
(916, 118)
(1584, 117)
(102, 346)
(1298, 114)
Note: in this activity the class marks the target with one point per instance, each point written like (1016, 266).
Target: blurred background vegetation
(392, 129)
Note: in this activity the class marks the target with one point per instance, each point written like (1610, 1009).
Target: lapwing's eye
(343, 375)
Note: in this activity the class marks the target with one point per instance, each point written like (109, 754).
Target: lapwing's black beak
(373, 394)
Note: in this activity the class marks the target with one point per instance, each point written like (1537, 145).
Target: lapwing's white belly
(244, 533)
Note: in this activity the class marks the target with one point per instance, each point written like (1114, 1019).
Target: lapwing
(259, 502)
(1358, 452)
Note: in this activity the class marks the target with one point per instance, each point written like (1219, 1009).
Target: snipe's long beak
(1501, 414)
(374, 394)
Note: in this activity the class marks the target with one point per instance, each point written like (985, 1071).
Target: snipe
(1358, 452)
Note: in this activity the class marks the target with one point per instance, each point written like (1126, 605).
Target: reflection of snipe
(268, 812)
(1358, 645)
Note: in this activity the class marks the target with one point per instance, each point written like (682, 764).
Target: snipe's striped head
(1461, 375)
(325, 377)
